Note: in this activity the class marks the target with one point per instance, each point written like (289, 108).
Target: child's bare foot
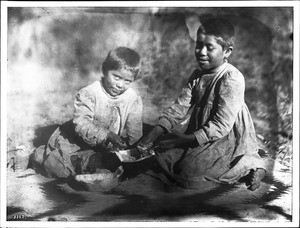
(256, 178)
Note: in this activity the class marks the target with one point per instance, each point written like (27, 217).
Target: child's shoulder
(91, 88)
(232, 69)
(131, 94)
(232, 75)
(232, 72)
(94, 85)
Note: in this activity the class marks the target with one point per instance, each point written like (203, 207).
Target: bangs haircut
(122, 58)
(221, 29)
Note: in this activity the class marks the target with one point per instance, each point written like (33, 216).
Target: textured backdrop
(53, 52)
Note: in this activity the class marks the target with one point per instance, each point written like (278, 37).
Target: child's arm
(93, 135)
(174, 113)
(177, 111)
(146, 142)
(229, 101)
(134, 122)
(178, 139)
(171, 116)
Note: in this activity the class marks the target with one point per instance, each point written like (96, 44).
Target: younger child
(220, 141)
(107, 113)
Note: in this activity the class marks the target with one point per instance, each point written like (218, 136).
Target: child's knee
(56, 167)
(38, 155)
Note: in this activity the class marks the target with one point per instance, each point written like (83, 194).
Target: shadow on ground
(142, 195)
(145, 197)
(43, 134)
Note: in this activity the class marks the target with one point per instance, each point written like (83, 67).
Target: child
(220, 141)
(107, 113)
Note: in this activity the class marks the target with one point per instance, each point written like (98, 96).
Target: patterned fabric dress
(218, 116)
(96, 113)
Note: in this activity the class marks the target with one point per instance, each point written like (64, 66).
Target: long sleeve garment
(96, 113)
(221, 122)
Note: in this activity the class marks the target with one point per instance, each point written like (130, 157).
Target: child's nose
(120, 84)
(203, 50)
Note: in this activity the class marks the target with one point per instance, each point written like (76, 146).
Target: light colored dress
(218, 116)
(96, 113)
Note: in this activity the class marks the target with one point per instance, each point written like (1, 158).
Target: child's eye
(117, 77)
(127, 82)
(210, 48)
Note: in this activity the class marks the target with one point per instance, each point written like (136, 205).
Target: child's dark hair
(221, 29)
(122, 57)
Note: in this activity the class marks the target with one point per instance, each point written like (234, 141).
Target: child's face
(118, 81)
(209, 53)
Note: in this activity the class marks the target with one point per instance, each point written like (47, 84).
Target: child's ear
(228, 52)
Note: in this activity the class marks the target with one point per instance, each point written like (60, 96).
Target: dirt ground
(144, 197)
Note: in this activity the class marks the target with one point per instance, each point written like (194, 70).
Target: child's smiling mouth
(203, 60)
(116, 91)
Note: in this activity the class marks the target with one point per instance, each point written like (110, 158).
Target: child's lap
(213, 158)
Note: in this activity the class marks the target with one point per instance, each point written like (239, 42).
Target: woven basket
(101, 181)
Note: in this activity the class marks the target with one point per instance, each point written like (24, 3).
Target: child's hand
(176, 140)
(116, 140)
(146, 142)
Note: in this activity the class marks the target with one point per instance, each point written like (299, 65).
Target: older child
(220, 141)
(107, 113)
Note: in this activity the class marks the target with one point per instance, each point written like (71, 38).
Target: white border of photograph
(152, 4)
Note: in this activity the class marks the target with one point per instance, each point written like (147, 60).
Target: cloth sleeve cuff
(165, 124)
(103, 137)
(201, 136)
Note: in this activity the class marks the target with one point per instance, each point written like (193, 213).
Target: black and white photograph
(150, 113)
